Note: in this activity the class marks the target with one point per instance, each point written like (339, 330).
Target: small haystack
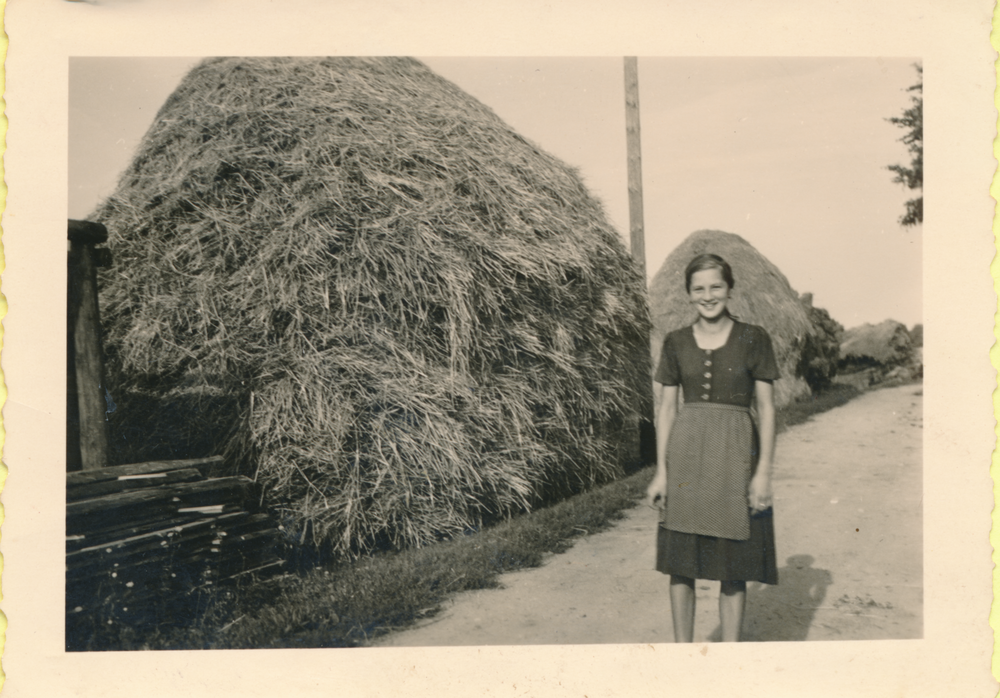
(762, 297)
(883, 346)
(355, 279)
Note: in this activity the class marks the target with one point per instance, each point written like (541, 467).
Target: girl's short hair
(708, 261)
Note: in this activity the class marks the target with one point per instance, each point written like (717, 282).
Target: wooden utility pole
(634, 147)
(646, 440)
(86, 437)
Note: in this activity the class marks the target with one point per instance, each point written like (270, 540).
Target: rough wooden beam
(84, 327)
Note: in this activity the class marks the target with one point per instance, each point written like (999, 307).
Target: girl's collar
(732, 329)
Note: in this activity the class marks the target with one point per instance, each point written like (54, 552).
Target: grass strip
(803, 410)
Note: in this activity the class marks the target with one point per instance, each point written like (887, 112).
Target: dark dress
(707, 530)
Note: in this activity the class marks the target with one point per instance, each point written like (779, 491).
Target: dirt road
(848, 500)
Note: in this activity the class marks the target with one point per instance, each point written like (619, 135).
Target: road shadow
(783, 613)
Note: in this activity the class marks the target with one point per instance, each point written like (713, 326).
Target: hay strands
(412, 318)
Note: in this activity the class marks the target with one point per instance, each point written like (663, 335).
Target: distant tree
(913, 176)
(821, 349)
(917, 335)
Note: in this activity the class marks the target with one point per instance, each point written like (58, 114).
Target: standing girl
(713, 468)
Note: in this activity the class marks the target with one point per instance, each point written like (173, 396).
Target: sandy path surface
(848, 500)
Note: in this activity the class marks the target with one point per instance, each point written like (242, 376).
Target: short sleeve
(763, 366)
(668, 372)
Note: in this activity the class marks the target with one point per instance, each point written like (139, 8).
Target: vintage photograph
(436, 351)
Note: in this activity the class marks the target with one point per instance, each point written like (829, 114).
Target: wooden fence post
(86, 433)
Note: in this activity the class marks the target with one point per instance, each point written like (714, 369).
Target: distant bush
(821, 349)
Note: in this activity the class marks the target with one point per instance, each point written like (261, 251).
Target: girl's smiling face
(709, 293)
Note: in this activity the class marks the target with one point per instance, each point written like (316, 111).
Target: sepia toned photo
(538, 350)
(384, 344)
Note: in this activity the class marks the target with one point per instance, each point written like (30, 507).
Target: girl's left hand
(759, 495)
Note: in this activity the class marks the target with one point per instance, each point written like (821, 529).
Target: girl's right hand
(656, 493)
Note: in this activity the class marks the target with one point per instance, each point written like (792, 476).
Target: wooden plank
(85, 326)
(73, 462)
(208, 523)
(133, 482)
(180, 494)
(175, 545)
(209, 467)
(137, 506)
(156, 573)
(172, 557)
(129, 529)
(86, 232)
(108, 528)
(203, 562)
(227, 530)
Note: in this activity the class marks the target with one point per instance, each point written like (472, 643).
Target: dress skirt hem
(707, 557)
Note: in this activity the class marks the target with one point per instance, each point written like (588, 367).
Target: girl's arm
(656, 494)
(760, 495)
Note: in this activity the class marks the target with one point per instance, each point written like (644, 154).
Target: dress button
(708, 374)
(704, 396)
(706, 386)
(708, 362)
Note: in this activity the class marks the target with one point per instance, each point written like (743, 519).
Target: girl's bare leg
(732, 601)
(682, 607)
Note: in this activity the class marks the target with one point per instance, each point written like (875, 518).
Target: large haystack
(359, 282)
(762, 297)
(883, 346)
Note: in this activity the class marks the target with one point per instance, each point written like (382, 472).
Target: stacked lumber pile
(140, 536)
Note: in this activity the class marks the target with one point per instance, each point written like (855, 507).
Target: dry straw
(762, 296)
(886, 345)
(357, 281)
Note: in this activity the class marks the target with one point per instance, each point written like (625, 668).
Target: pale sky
(789, 153)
